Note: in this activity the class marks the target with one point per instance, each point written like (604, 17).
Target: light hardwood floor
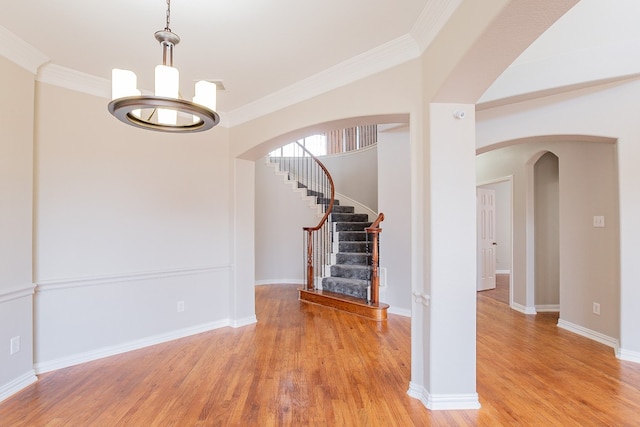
(307, 365)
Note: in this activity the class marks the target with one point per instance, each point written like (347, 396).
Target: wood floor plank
(303, 364)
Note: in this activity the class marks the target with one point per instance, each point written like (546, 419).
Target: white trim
(18, 384)
(75, 282)
(239, 323)
(628, 355)
(20, 52)
(89, 356)
(68, 78)
(588, 333)
(522, 309)
(443, 402)
(421, 298)
(383, 57)
(431, 21)
(279, 282)
(399, 311)
(548, 308)
(503, 271)
(16, 293)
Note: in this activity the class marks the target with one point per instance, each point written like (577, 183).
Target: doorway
(503, 236)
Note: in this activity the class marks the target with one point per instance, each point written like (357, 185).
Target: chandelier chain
(168, 15)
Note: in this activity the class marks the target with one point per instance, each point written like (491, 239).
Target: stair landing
(345, 303)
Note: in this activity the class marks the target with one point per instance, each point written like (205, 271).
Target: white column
(450, 318)
(243, 241)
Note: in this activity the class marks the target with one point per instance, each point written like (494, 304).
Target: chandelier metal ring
(122, 109)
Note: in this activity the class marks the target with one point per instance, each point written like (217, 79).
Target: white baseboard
(399, 311)
(627, 355)
(503, 271)
(548, 308)
(18, 384)
(89, 356)
(443, 402)
(243, 322)
(588, 333)
(279, 282)
(522, 309)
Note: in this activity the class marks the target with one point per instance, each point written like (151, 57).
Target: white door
(486, 208)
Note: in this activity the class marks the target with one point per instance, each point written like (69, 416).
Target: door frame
(509, 179)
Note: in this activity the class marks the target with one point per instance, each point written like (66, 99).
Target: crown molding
(432, 19)
(20, 52)
(74, 80)
(381, 58)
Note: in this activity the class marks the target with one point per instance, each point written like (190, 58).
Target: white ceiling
(255, 47)
(260, 48)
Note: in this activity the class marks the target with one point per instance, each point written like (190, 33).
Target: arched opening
(563, 260)
(392, 159)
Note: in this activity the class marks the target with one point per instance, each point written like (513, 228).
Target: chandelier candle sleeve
(168, 86)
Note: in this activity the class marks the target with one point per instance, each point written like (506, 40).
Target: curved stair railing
(317, 239)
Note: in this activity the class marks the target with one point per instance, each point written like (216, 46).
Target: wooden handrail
(375, 229)
(310, 230)
(375, 224)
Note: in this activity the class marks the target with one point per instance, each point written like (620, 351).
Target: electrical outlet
(180, 306)
(598, 221)
(596, 308)
(14, 345)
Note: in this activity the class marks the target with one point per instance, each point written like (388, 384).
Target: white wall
(606, 111)
(394, 200)
(355, 175)
(127, 224)
(16, 194)
(588, 256)
(281, 213)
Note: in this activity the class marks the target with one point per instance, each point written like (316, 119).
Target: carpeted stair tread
(360, 247)
(342, 209)
(352, 287)
(349, 217)
(352, 236)
(351, 226)
(353, 258)
(350, 271)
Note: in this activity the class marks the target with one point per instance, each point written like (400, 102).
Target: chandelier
(165, 111)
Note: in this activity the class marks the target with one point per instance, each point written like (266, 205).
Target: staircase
(351, 271)
(346, 280)
(340, 262)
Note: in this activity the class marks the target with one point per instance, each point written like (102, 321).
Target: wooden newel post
(310, 285)
(375, 230)
(375, 276)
